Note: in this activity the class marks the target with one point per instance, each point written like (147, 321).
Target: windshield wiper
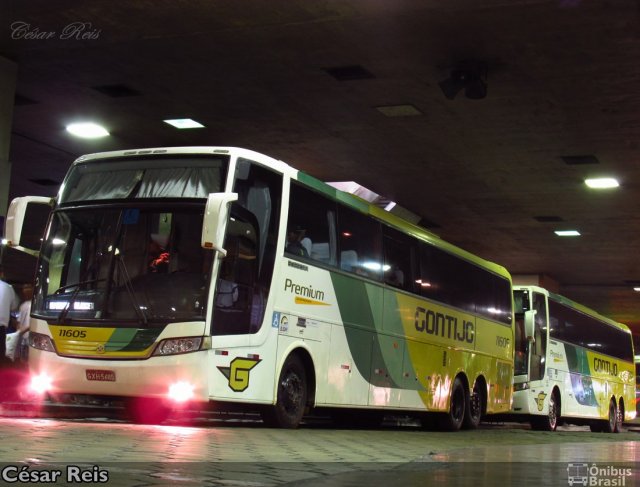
(131, 292)
(73, 297)
(79, 283)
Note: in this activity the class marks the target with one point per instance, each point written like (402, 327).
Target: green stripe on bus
(361, 306)
(131, 339)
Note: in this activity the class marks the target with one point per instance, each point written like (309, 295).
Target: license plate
(101, 375)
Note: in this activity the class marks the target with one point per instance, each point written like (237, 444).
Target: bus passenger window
(399, 253)
(360, 243)
(311, 226)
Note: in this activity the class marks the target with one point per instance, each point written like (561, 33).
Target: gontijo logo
(238, 372)
(305, 294)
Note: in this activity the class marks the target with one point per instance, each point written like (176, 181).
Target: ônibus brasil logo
(579, 473)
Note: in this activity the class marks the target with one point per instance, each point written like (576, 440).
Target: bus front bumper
(173, 379)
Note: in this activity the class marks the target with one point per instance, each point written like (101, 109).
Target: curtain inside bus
(148, 178)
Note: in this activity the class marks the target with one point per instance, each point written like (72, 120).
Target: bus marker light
(253, 356)
(180, 391)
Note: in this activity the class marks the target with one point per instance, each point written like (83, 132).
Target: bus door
(538, 349)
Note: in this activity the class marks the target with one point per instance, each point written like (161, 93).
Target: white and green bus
(223, 276)
(572, 365)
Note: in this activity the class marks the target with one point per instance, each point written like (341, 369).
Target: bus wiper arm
(77, 285)
(131, 292)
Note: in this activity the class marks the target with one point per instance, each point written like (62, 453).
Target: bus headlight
(174, 346)
(41, 342)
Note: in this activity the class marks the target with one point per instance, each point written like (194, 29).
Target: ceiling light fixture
(184, 123)
(602, 183)
(637, 289)
(567, 233)
(87, 130)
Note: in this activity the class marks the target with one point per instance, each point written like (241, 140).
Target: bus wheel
(291, 398)
(620, 419)
(609, 426)
(473, 409)
(550, 421)
(454, 418)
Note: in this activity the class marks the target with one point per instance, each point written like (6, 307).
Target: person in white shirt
(24, 320)
(8, 302)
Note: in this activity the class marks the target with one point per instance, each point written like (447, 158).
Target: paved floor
(245, 453)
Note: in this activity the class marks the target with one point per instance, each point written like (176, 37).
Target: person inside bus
(158, 257)
(297, 242)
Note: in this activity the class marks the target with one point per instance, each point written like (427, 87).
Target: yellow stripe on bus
(301, 300)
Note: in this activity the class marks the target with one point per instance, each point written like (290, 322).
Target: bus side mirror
(215, 219)
(529, 325)
(26, 221)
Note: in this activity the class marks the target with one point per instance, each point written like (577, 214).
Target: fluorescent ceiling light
(602, 183)
(87, 130)
(184, 123)
(567, 233)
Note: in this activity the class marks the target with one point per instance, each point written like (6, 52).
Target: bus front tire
(550, 421)
(459, 398)
(291, 399)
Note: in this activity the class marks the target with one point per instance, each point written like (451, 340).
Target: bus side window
(310, 225)
(399, 253)
(360, 243)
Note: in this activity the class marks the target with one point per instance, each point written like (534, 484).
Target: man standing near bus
(8, 302)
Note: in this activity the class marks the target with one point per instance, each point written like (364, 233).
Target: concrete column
(8, 72)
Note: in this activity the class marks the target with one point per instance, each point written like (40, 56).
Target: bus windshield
(120, 263)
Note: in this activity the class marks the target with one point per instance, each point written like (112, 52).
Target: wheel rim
(612, 416)
(292, 393)
(620, 417)
(475, 405)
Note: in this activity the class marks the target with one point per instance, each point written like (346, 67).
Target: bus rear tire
(611, 423)
(620, 418)
(550, 421)
(473, 408)
(291, 399)
(453, 420)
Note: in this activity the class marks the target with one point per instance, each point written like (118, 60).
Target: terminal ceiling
(314, 84)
